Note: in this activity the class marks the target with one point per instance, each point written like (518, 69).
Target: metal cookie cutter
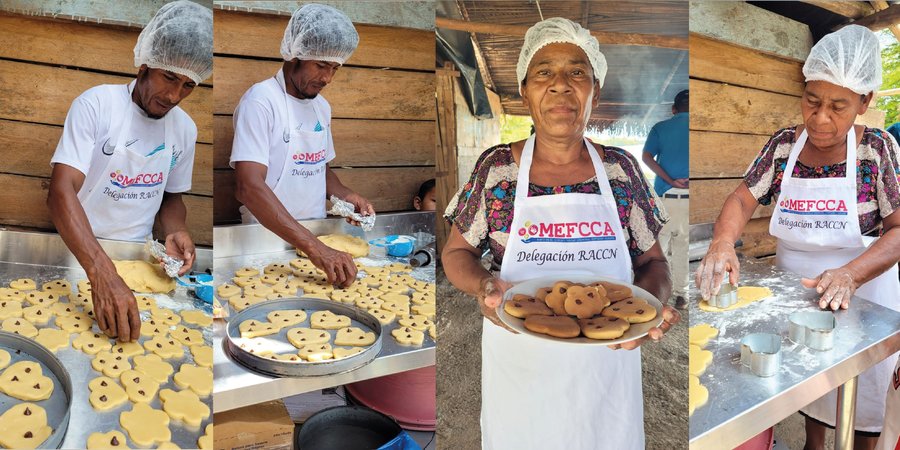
(726, 297)
(814, 329)
(761, 352)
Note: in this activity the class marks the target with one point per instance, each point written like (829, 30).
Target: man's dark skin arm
(253, 192)
(114, 305)
(173, 220)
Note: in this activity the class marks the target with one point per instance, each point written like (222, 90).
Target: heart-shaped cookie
(24, 426)
(354, 336)
(301, 337)
(25, 380)
(327, 320)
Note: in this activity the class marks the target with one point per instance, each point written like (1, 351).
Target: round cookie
(584, 302)
(10, 309)
(522, 306)
(603, 328)
(20, 326)
(91, 343)
(25, 380)
(75, 323)
(197, 379)
(52, 338)
(227, 290)
(184, 406)
(145, 425)
(354, 337)
(106, 393)
(154, 367)
(556, 326)
(37, 314)
(23, 284)
(327, 320)
(24, 426)
(41, 298)
(113, 439)
(634, 310)
(556, 299)
(139, 387)
(61, 288)
(300, 337)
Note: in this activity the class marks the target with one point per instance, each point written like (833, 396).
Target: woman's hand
(837, 286)
(490, 296)
(719, 260)
(671, 316)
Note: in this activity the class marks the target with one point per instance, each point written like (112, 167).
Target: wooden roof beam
(851, 10)
(879, 20)
(642, 40)
(880, 5)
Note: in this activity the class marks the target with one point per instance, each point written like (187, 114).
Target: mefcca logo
(813, 207)
(122, 180)
(566, 232)
(309, 158)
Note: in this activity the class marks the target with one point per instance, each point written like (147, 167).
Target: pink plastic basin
(408, 397)
(762, 441)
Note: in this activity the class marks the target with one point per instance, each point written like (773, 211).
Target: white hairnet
(849, 57)
(319, 32)
(558, 29)
(179, 38)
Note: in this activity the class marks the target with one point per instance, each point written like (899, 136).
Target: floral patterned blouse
(877, 173)
(483, 209)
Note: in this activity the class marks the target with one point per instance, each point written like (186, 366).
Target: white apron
(123, 205)
(301, 185)
(890, 435)
(817, 227)
(539, 394)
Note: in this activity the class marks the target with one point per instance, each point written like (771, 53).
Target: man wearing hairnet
(837, 214)
(282, 138)
(125, 156)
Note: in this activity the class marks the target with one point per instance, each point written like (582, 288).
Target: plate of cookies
(589, 310)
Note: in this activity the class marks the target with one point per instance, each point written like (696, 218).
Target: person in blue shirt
(894, 130)
(666, 154)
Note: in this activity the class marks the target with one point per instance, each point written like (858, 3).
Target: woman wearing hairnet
(539, 394)
(283, 143)
(125, 156)
(828, 212)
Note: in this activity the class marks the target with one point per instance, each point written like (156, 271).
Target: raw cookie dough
(300, 337)
(145, 425)
(227, 290)
(139, 387)
(202, 355)
(145, 303)
(184, 406)
(196, 317)
(23, 284)
(24, 426)
(165, 315)
(4, 358)
(41, 298)
(206, 441)
(197, 379)
(355, 246)
(84, 286)
(746, 296)
(127, 349)
(187, 336)
(151, 328)
(246, 272)
(141, 276)
(701, 334)
(253, 328)
(316, 352)
(111, 364)
(91, 343)
(354, 336)
(25, 380)
(62, 309)
(106, 394)
(408, 336)
(416, 322)
(699, 359)
(58, 287)
(286, 317)
(19, 326)
(327, 320)
(165, 347)
(343, 352)
(697, 394)
(52, 338)
(154, 367)
(10, 308)
(113, 439)
(37, 314)
(75, 323)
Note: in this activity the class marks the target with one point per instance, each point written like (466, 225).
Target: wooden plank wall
(44, 65)
(739, 97)
(382, 100)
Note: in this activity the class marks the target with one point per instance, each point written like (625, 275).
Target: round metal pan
(279, 343)
(59, 405)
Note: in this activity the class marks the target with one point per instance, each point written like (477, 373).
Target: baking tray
(59, 405)
(635, 331)
(280, 344)
(43, 257)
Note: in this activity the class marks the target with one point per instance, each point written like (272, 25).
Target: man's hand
(671, 316)
(115, 308)
(179, 245)
(361, 205)
(680, 183)
(837, 286)
(338, 266)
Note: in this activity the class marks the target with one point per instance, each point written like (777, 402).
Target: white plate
(636, 331)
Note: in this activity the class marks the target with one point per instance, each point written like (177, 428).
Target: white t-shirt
(260, 121)
(87, 141)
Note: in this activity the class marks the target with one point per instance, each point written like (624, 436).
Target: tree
(890, 63)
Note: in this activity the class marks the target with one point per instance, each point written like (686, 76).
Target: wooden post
(445, 137)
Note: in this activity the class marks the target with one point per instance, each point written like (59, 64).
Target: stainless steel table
(44, 257)
(741, 405)
(236, 386)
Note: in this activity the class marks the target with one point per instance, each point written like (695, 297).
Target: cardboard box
(262, 426)
(302, 406)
